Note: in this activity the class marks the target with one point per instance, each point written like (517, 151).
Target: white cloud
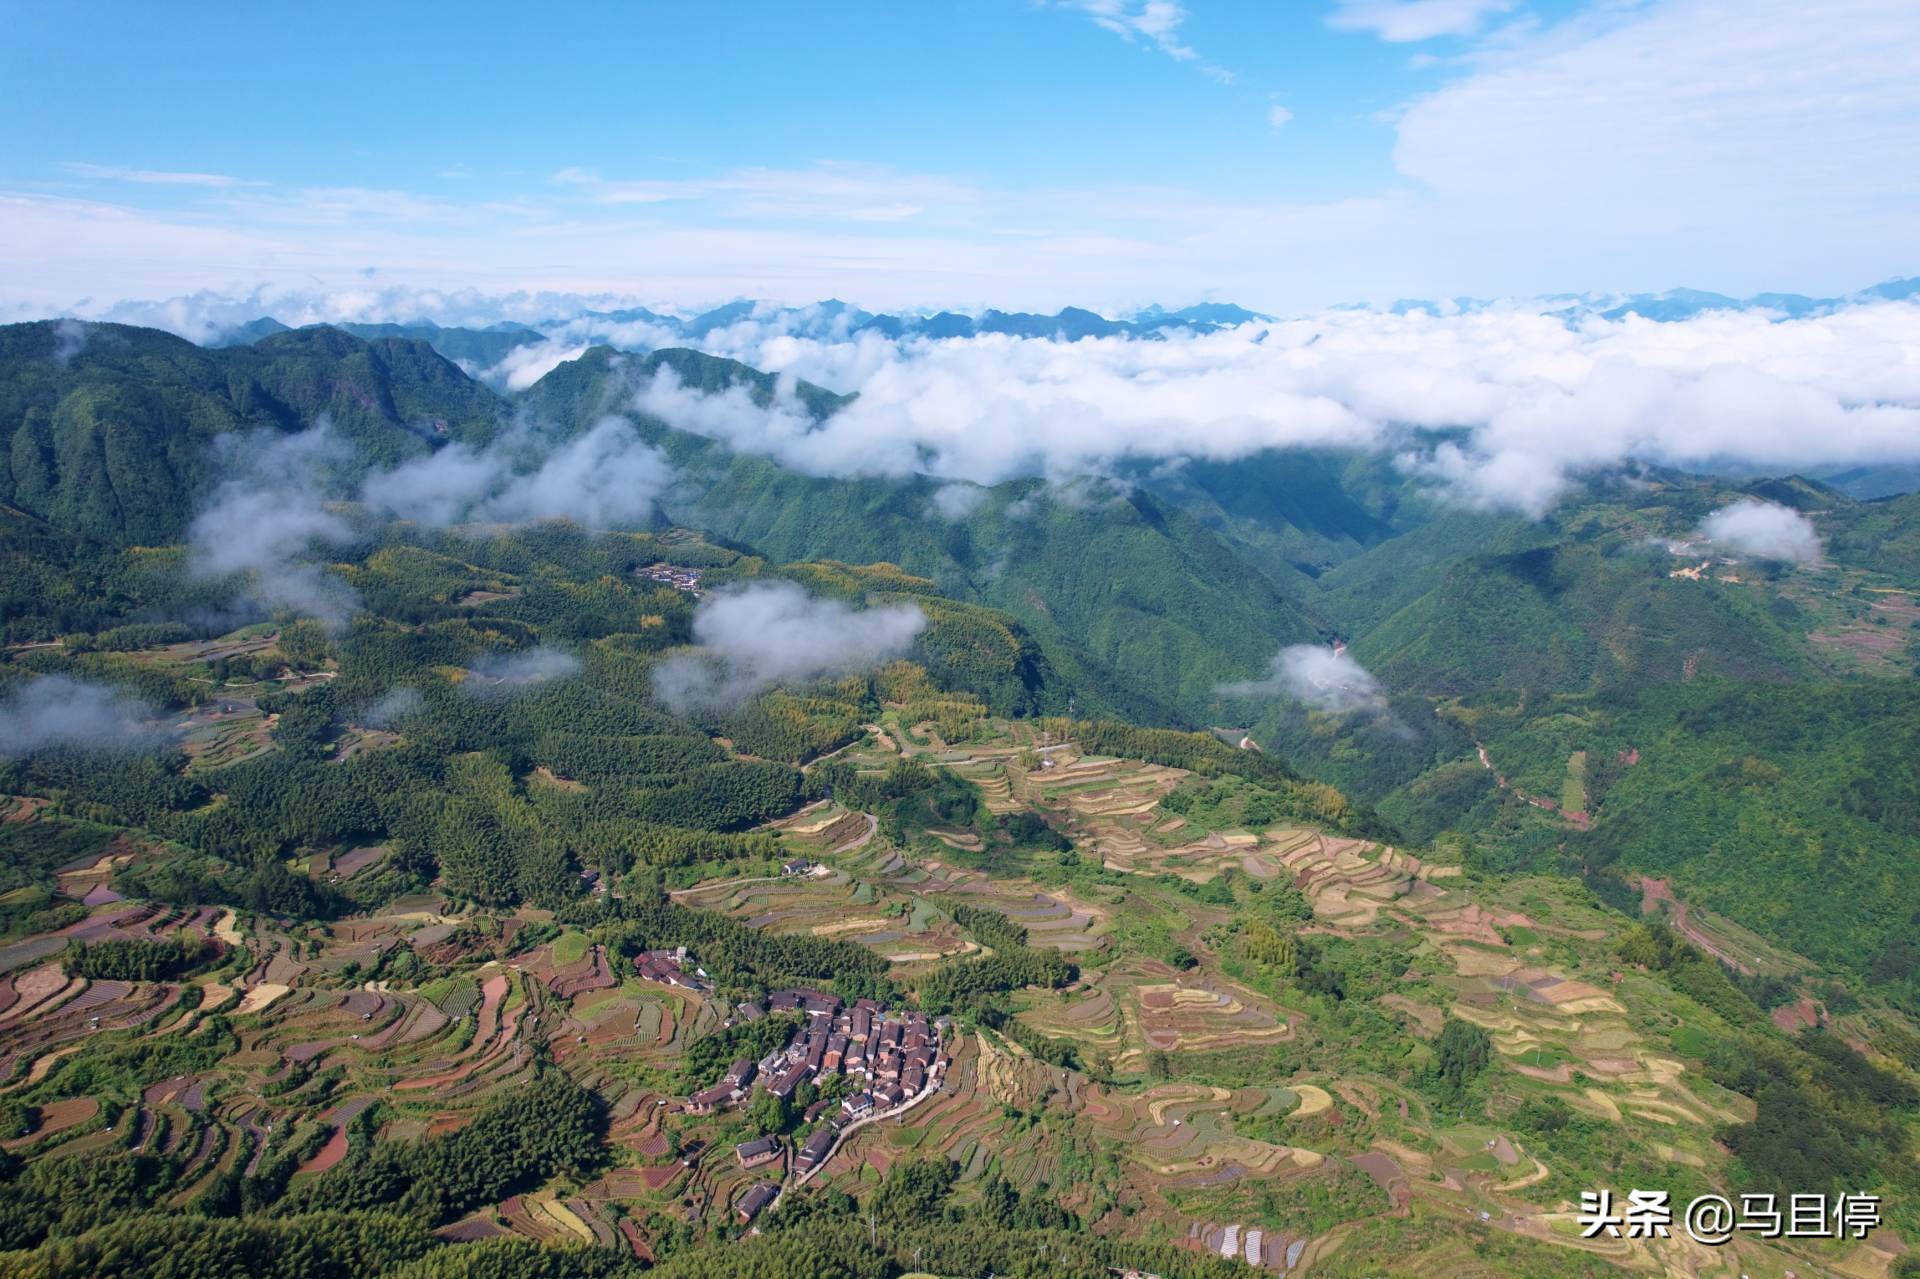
(1403, 21)
(827, 192)
(1319, 677)
(602, 479)
(311, 207)
(1765, 530)
(69, 339)
(1707, 140)
(768, 633)
(1635, 145)
(521, 367)
(285, 501)
(783, 429)
(1766, 144)
(1278, 116)
(1538, 395)
(206, 315)
(440, 488)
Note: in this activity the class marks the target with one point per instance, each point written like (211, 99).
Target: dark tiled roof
(755, 1199)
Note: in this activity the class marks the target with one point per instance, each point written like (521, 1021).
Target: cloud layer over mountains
(267, 519)
(1501, 406)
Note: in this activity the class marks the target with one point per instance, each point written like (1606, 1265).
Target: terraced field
(1562, 1022)
(1185, 1091)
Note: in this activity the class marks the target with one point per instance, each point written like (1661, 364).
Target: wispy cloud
(1631, 128)
(154, 177)
(1153, 23)
(285, 504)
(1651, 134)
(333, 205)
(605, 478)
(499, 675)
(268, 521)
(56, 710)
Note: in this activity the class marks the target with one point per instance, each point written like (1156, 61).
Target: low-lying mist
(766, 633)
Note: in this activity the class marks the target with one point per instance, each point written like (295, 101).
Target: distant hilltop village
(674, 575)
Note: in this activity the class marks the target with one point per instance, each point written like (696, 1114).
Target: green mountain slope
(1789, 808)
(1143, 606)
(114, 440)
(478, 348)
(1571, 618)
(1304, 510)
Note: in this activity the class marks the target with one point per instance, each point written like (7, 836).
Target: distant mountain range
(836, 320)
(641, 328)
(828, 321)
(1678, 304)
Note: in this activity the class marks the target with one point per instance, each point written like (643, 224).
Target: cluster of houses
(669, 968)
(680, 579)
(893, 1055)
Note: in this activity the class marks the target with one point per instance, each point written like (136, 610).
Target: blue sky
(998, 152)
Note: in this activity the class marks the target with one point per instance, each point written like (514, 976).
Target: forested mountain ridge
(1158, 588)
(602, 380)
(108, 428)
(1147, 606)
(1577, 695)
(475, 349)
(1569, 617)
